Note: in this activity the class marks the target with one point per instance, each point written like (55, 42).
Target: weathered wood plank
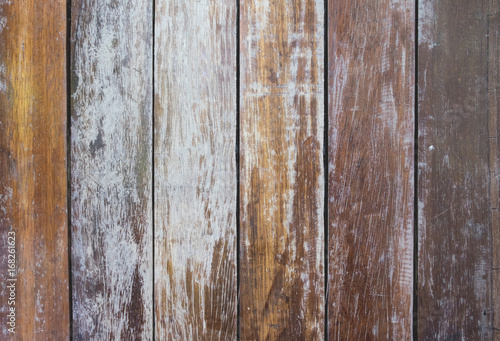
(282, 180)
(371, 125)
(195, 170)
(454, 275)
(494, 160)
(111, 169)
(33, 181)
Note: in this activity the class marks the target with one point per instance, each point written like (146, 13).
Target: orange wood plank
(281, 165)
(33, 181)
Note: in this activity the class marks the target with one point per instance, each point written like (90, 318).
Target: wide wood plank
(195, 170)
(455, 215)
(33, 178)
(282, 181)
(371, 125)
(111, 169)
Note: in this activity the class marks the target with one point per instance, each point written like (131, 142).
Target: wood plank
(454, 275)
(111, 169)
(282, 181)
(494, 159)
(33, 181)
(371, 136)
(195, 170)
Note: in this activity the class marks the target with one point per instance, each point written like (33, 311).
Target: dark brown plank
(33, 181)
(195, 170)
(371, 124)
(111, 169)
(282, 180)
(454, 273)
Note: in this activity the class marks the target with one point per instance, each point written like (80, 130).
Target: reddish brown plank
(33, 169)
(195, 170)
(455, 215)
(371, 124)
(282, 180)
(111, 169)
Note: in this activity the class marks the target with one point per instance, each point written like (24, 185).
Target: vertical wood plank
(494, 160)
(111, 169)
(281, 164)
(371, 133)
(33, 181)
(454, 275)
(195, 170)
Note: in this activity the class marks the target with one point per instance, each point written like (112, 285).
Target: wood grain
(195, 170)
(494, 157)
(111, 169)
(281, 165)
(371, 124)
(454, 275)
(33, 181)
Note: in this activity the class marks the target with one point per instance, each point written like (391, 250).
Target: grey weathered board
(195, 170)
(111, 169)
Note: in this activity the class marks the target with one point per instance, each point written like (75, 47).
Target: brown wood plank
(111, 169)
(371, 124)
(454, 274)
(195, 170)
(33, 181)
(281, 165)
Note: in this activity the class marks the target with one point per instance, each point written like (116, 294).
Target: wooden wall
(249, 170)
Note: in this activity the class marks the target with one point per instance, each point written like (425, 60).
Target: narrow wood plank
(33, 181)
(282, 180)
(454, 275)
(371, 125)
(195, 170)
(111, 169)
(494, 160)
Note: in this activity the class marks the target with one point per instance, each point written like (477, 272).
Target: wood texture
(494, 157)
(111, 169)
(371, 125)
(195, 170)
(454, 275)
(33, 181)
(281, 165)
